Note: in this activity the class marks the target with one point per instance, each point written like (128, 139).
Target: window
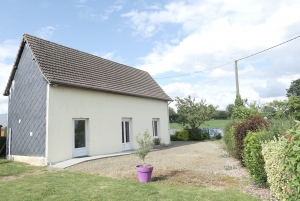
(155, 126)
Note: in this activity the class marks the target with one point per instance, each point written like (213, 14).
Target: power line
(229, 62)
(196, 71)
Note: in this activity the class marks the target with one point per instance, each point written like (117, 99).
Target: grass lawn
(65, 185)
(208, 124)
(11, 168)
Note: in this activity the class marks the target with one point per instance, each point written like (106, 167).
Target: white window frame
(127, 145)
(157, 128)
(82, 151)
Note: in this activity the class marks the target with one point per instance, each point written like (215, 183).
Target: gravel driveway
(203, 164)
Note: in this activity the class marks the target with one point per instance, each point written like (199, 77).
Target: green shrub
(252, 123)
(174, 137)
(195, 136)
(205, 136)
(218, 136)
(182, 135)
(292, 161)
(253, 159)
(273, 154)
(229, 138)
(156, 141)
(276, 128)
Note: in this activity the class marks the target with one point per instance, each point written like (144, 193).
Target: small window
(155, 126)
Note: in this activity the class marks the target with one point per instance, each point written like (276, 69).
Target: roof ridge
(28, 35)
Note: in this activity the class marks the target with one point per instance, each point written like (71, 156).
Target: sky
(170, 38)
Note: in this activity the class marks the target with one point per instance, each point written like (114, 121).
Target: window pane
(127, 131)
(154, 125)
(122, 132)
(79, 133)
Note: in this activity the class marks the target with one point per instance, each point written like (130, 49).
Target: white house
(64, 103)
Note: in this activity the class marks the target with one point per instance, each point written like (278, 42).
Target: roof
(3, 120)
(66, 66)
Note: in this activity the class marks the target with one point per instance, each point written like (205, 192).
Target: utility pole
(237, 78)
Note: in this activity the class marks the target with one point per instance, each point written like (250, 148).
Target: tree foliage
(238, 101)
(173, 116)
(277, 109)
(193, 114)
(294, 89)
(294, 106)
(220, 114)
(229, 109)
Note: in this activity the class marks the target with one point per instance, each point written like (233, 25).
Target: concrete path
(74, 161)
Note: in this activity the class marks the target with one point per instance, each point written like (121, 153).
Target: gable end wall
(27, 104)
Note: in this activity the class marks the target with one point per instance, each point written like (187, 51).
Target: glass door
(80, 137)
(126, 134)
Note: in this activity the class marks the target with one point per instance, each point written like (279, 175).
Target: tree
(192, 113)
(277, 109)
(294, 89)
(220, 114)
(294, 106)
(173, 116)
(145, 143)
(229, 109)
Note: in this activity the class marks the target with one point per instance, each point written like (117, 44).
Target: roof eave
(106, 90)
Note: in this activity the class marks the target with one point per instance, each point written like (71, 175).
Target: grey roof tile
(67, 66)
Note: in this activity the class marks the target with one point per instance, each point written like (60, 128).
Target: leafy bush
(195, 136)
(229, 138)
(205, 136)
(253, 159)
(292, 161)
(156, 141)
(218, 136)
(273, 154)
(276, 128)
(252, 123)
(174, 137)
(182, 135)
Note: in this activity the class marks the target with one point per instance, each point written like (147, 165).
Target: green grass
(11, 168)
(208, 124)
(64, 185)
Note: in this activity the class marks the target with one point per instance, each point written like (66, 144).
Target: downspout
(9, 144)
(169, 120)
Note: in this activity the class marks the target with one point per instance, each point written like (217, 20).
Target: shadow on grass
(3, 160)
(166, 176)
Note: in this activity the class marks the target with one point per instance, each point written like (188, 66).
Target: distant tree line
(190, 112)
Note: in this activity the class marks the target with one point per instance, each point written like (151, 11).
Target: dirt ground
(203, 164)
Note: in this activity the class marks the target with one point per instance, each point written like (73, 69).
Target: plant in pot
(145, 143)
(157, 143)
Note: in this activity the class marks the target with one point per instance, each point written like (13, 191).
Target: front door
(126, 134)
(80, 137)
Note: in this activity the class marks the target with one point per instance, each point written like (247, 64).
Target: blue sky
(168, 38)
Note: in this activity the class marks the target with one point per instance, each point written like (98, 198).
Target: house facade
(64, 103)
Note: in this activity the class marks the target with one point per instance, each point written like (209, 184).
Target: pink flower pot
(144, 172)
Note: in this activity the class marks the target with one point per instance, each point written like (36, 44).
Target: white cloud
(217, 32)
(8, 52)
(109, 55)
(46, 32)
(91, 14)
(272, 88)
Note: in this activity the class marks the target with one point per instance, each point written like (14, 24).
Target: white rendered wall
(104, 112)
